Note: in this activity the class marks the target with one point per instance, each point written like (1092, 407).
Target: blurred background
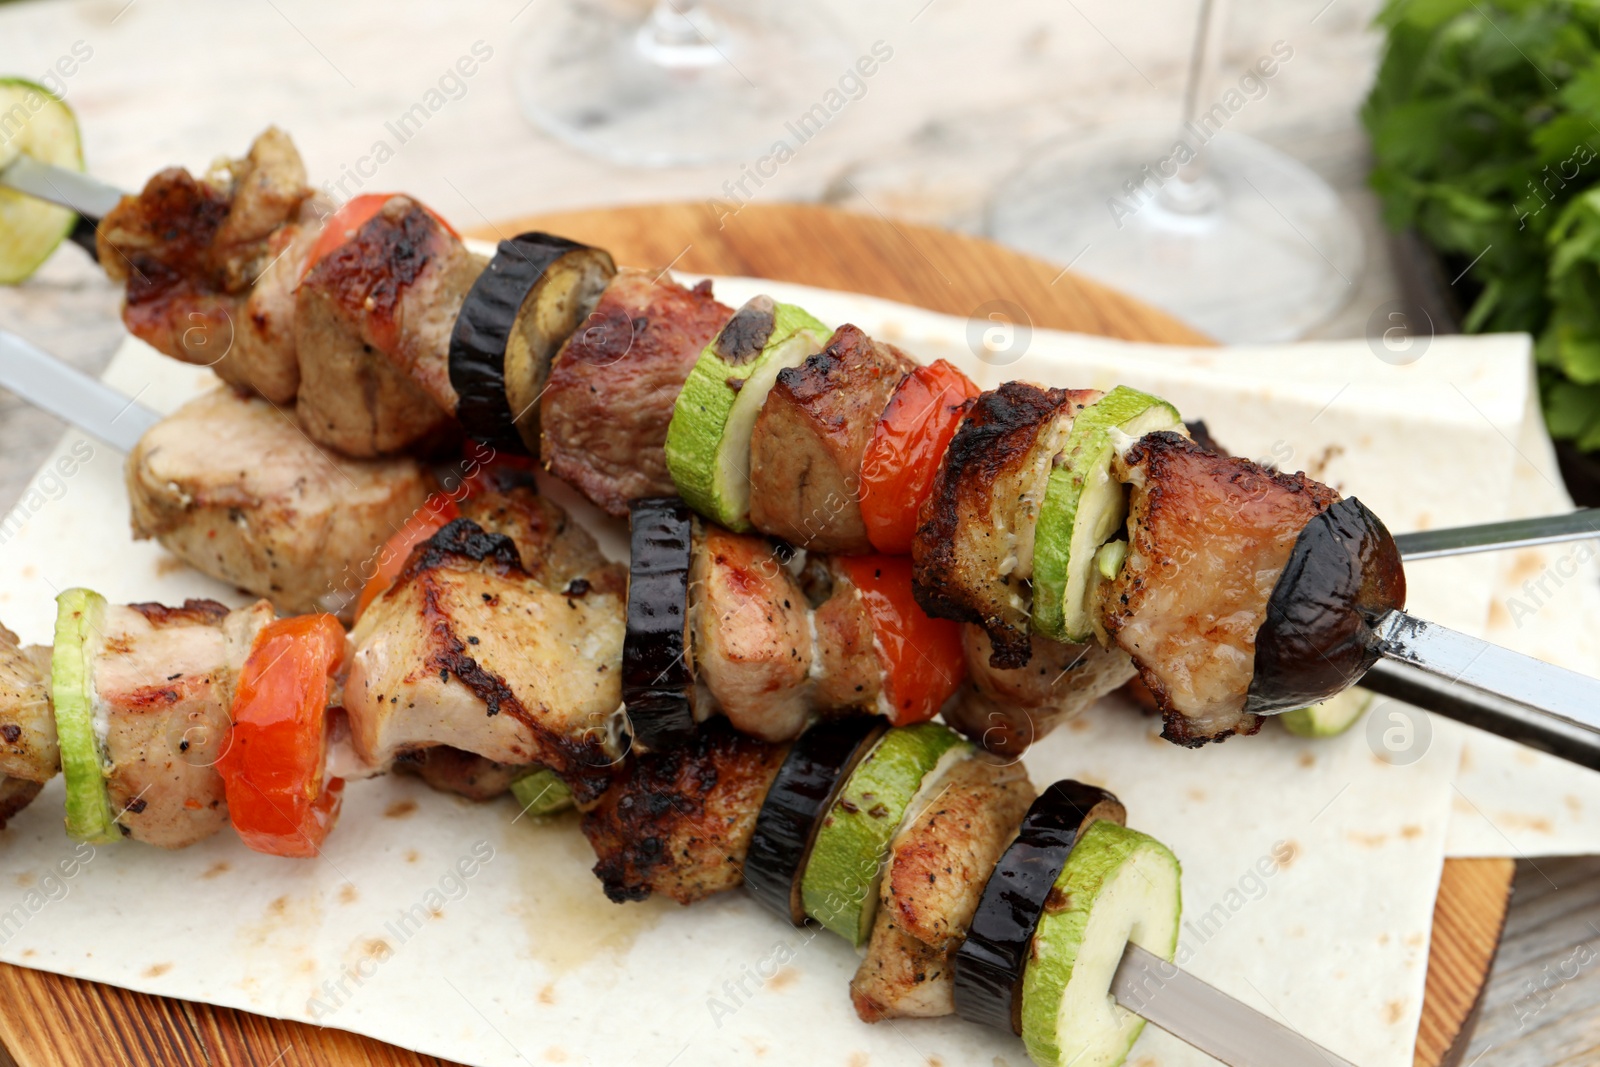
(1454, 195)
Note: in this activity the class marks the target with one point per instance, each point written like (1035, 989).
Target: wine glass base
(1265, 254)
(590, 73)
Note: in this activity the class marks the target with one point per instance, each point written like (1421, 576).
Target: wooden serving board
(50, 1021)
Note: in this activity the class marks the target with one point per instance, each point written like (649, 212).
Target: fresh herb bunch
(1485, 125)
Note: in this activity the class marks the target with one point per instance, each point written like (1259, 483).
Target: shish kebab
(967, 892)
(947, 584)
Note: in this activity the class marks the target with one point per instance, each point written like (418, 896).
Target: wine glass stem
(680, 34)
(1192, 192)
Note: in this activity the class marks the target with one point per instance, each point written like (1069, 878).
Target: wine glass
(1234, 237)
(686, 82)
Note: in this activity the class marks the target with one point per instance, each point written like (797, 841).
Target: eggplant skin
(786, 827)
(487, 320)
(990, 962)
(657, 681)
(1342, 576)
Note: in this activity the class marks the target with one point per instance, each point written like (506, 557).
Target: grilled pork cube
(28, 749)
(806, 448)
(450, 770)
(612, 387)
(16, 794)
(467, 650)
(751, 635)
(377, 312)
(1207, 538)
(1005, 711)
(163, 689)
(554, 550)
(233, 487)
(210, 264)
(973, 553)
(848, 672)
(679, 823)
(937, 869)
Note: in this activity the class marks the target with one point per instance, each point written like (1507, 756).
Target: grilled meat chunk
(450, 770)
(1207, 538)
(16, 794)
(679, 823)
(751, 635)
(806, 448)
(1005, 711)
(28, 750)
(378, 311)
(234, 488)
(210, 264)
(555, 551)
(973, 553)
(467, 650)
(163, 690)
(937, 869)
(612, 387)
(848, 672)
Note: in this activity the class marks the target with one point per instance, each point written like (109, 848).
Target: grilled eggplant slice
(817, 767)
(657, 671)
(1342, 576)
(973, 553)
(808, 440)
(990, 964)
(535, 292)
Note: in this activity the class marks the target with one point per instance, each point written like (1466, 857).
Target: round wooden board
(50, 1021)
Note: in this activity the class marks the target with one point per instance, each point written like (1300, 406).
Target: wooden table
(50, 1021)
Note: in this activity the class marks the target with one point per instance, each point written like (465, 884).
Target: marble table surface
(965, 98)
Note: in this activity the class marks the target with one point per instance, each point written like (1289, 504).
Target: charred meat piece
(937, 869)
(210, 264)
(613, 385)
(751, 634)
(973, 552)
(28, 750)
(233, 487)
(1005, 711)
(450, 770)
(1207, 538)
(466, 649)
(806, 448)
(555, 551)
(163, 689)
(16, 794)
(377, 312)
(679, 823)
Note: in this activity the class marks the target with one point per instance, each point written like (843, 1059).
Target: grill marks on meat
(752, 639)
(680, 823)
(210, 264)
(28, 750)
(467, 649)
(808, 440)
(1207, 538)
(937, 869)
(163, 684)
(612, 387)
(1005, 711)
(232, 486)
(554, 550)
(973, 553)
(364, 310)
